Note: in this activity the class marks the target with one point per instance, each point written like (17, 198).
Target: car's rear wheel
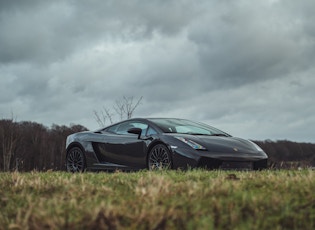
(159, 158)
(75, 161)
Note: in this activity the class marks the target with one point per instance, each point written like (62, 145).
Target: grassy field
(193, 199)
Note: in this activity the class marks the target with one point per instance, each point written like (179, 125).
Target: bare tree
(102, 116)
(9, 136)
(124, 109)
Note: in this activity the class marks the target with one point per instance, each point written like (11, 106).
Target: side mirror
(137, 131)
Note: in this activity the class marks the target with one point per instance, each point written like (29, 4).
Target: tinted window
(151, 131)
(122, 128)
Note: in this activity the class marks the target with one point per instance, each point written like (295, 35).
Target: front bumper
(190, 158)
(244, 164)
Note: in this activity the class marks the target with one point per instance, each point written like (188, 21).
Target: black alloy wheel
(75, 161)
(159, 158)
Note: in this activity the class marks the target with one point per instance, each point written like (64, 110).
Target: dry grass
(194, 199)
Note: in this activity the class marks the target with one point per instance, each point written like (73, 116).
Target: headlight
(191, 143)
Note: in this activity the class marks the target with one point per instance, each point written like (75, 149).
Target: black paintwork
(106, 150)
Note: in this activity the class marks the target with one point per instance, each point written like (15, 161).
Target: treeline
(288, 154)
(27, 146)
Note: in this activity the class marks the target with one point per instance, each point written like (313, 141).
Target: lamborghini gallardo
(160, 143)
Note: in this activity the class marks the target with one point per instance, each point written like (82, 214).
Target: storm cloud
(245, 67)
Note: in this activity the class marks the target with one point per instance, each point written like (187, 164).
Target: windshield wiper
(206, 134)
(219, 135)
(192, 133)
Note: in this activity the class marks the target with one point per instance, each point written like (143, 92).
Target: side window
(123, 128)
(142, 126)
(112, 129)
(151, 131)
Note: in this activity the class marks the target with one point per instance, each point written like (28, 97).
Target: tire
(159, 158)
(75, 161)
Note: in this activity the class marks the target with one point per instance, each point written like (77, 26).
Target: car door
(123, 148)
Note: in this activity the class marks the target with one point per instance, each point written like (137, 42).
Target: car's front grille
(211, 163)
(243, 165)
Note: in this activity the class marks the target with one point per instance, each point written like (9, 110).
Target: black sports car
(157, 143)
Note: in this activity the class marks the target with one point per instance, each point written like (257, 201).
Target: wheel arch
(151, 146)
(74, 144)
(155, 143)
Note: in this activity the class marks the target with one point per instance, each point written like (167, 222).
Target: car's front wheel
(159, 158)
(75, 160)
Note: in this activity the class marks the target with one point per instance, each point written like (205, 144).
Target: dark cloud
(50, 31)
(246, 67)
(245, 43)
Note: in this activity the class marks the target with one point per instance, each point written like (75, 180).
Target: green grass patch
(194, 199)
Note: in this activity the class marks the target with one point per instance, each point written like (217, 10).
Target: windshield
(186, 127)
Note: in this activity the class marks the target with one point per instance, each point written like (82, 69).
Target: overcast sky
(246, 67)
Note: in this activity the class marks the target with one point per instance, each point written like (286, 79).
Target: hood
(228, 144)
